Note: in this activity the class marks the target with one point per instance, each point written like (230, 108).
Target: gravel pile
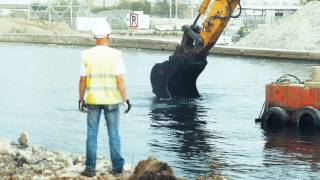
(301, 31)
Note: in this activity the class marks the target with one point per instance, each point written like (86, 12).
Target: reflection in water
(182, 127)
(293, 147)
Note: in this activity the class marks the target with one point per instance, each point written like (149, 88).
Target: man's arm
(120, 70)
(121, 87)
(82, 88)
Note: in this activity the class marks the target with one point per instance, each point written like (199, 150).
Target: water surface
(214, 134)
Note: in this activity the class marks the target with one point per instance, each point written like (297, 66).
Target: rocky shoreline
(23, 161)
(19, 160)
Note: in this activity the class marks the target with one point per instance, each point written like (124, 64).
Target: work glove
(82, 106)
(127, 106)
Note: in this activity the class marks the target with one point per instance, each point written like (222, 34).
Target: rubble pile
(22, 161)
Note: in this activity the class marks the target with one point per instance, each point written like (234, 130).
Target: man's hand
(82, 106)
(127, 106)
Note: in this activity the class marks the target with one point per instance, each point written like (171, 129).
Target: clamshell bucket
(176, 78)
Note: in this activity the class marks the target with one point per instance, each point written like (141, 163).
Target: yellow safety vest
(101, 86)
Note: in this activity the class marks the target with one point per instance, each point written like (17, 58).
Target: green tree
(124, 4)
(241, 32)
(62, 6)
(161, 8)
(306, 1)
(184, 11)
(144, 6)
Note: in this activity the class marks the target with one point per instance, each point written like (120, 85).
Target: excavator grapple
(176, 77)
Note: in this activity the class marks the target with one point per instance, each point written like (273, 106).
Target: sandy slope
(15, 25)
(301, 31)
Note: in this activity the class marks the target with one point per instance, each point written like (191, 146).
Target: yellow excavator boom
(176, 78)
(217, 18)
(203, 7)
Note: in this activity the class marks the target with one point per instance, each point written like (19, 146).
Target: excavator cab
(176, 77)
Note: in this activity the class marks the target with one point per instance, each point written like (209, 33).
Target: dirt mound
(18, 25)
(301, 31)
(152, 168)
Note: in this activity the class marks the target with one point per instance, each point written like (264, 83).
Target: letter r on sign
(133, 20)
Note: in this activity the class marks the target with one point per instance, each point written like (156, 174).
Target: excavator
(176, 77)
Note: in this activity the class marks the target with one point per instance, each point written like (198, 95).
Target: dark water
(214, 134)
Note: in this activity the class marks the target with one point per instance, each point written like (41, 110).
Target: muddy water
(214, 134)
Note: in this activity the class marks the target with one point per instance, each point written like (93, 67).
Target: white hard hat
(101, 29)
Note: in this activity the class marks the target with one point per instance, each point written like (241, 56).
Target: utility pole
(71, 13)
(170, 5)
(176, 15)
(29, 11)
(49, 11)
(176, 4)
(104, 3)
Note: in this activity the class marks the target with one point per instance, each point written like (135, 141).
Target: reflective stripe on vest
(102, 89)
(101, 76)
(101, 82)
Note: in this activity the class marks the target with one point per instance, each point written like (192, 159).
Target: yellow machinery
(176, 78)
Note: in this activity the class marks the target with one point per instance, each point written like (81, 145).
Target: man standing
(102, 81)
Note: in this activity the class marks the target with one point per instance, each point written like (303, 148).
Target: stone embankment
(158, 44)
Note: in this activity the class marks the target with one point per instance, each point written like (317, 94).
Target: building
(271, 2)
(266, 12)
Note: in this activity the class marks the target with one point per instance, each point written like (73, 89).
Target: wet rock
(5, 147)
(78, 160)
(23, 139)
(69, 161)
(38, 169)
(37, 177)
(22, 158)
(24, 154)
(49, 154)
(37, 149)
(153, 169)
(61, 156)
(47, 173)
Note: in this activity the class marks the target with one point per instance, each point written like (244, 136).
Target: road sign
(133, 20)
